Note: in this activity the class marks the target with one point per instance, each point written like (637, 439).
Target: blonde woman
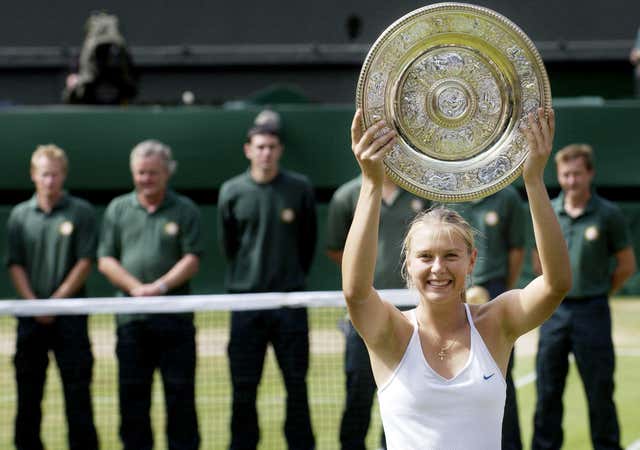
(440, 367)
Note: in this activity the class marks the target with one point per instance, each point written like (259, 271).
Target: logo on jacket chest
(417, 205)
(591, 233)
(491, 218)
(171, 228)
(66, 228)
(287, 215)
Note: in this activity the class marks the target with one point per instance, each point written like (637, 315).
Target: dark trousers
(361, 388)
(582, 327)
(166, 342)
(288, 332)
(67, 337)
(511, 438)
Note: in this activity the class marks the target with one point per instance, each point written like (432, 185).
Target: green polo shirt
(500, 223)
(267, 232)
(48, 245)
(394, 220)
(593, 239)
(148, 245)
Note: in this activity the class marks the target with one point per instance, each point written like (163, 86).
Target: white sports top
(421, 410)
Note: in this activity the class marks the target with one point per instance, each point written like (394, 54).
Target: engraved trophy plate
(455, 81)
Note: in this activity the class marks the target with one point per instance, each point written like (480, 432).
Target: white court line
(525, 380)
(530, 377)
(634, 445)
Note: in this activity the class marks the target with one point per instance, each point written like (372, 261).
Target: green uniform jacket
(500, 223)
(267, 232)
(148, 245)
(394, 222)
(47, 246)
(593, 239)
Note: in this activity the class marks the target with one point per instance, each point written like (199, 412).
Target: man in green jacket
(267, 231)
(51, 247)
(151, 245)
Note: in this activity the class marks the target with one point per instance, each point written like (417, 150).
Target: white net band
(186, 303)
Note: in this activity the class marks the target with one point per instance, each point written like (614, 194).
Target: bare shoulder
(489, 318)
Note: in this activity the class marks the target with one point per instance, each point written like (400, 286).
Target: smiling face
(438, 262)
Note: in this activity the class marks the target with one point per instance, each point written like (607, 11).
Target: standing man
(51, 246)
(602, 259)
(150, 246)
(267, 231)
(500, 222)
(399, 207)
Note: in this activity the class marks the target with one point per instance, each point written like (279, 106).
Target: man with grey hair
(150, 246)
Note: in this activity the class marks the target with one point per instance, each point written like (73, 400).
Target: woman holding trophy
(440, 367)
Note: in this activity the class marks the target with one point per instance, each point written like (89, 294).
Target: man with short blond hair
(51, 247)
(576, 151)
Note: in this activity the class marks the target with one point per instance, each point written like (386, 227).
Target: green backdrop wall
(208, 141)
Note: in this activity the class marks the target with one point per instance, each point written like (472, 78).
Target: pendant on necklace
(442, 354)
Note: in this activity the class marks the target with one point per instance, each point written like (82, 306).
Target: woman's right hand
(370, 150)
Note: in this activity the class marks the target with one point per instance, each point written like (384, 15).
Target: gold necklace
(442, 354)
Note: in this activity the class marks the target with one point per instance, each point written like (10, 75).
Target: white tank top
(421, 410)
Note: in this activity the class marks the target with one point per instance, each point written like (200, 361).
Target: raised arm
(537, 301)
(370, 316)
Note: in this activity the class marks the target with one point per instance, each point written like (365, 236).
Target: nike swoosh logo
(486, 377)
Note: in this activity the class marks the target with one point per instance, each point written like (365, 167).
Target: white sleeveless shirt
(421, 410)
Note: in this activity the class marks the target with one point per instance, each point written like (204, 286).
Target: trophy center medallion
(452, 102)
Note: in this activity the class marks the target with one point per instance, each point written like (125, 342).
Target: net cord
(188, 303)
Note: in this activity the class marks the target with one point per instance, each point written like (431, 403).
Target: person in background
(267, 232)
(602, 259)
(105, 73)
(397, 210)
(151, 245)
(500, 221)
(51, 248)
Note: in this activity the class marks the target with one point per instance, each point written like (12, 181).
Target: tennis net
(325, 379)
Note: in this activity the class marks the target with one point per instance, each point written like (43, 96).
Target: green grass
(326, 387)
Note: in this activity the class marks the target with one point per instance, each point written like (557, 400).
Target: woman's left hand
(539, 134)
(370, 146)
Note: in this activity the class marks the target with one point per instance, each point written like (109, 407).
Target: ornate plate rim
(545, 91)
